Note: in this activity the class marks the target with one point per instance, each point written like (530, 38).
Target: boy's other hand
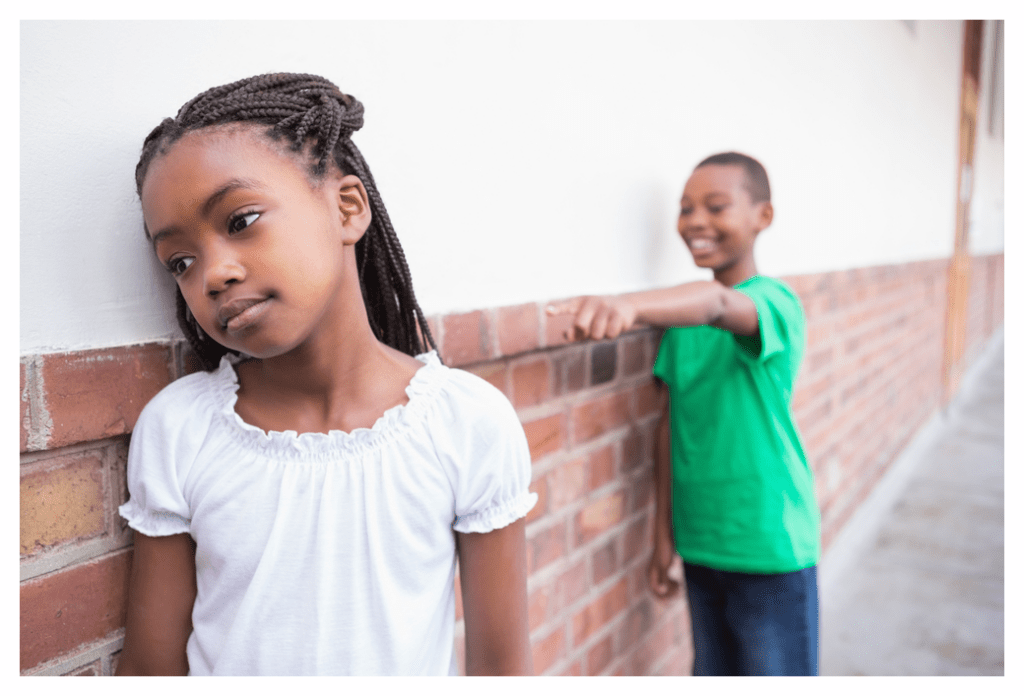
(662, 584)
(596, 317)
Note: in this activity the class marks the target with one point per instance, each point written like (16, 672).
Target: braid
(302, 110)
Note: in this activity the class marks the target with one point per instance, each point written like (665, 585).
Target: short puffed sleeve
(483, 447)
(163, 445)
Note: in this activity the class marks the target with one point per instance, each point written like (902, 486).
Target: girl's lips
(238, 315)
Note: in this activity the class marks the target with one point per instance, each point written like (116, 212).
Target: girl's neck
(342, 378)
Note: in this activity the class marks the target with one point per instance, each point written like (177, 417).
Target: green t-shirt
(742, 492)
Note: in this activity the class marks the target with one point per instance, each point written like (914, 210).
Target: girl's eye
(686, 211)
(716, 209)
(240, 222)
(179, 265)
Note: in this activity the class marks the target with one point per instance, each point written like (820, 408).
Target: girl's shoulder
(467, 394)
(192, 396)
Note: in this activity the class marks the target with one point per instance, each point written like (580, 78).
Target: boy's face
(719, 222)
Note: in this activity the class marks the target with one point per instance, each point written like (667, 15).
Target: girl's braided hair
(307, 110)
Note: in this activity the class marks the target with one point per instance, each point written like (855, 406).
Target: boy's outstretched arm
(492, 570)
(664, 548)
(703, 302)
(161, 594)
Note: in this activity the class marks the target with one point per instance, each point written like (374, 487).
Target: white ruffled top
(327, 553)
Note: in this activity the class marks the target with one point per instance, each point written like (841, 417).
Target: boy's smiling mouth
(701, 244)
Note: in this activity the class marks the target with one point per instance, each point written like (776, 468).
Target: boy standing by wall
(732, 480)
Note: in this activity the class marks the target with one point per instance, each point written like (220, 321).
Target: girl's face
(258, 251)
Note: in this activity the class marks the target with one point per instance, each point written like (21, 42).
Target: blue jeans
(746, 624)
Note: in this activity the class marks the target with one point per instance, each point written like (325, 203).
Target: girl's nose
(223, 270)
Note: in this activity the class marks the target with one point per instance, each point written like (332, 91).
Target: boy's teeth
(700, 244)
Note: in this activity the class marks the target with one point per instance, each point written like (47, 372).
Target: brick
(518, 329)
(531, 382)
(648, 399)
(599, 612)
(808, 388)
(679, 662)
(604, 359)
(632, 354)
(545, 435)
(650, 650)
(548, 650)
(641, 491)
(596, 417)
(466, 338)
(570, 370)
(572, 585)
(599, 656)
(637, 540)
(605, 562)
(540, 487)
(599, 517)
(819, 359)
(545, 547)
(638, 448)
(638, 622)
(63, 502)
(494, 372)
(63, 610)
(600, 467)
(567, 483)
(573, 670)
(24, 422)
(96, 394)
(538, 606)
(93, 669)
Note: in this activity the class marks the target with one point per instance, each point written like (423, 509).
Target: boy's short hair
(756, 176)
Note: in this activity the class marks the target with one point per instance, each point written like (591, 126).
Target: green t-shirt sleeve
(779, 318)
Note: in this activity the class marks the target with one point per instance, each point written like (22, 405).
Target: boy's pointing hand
(596, 317)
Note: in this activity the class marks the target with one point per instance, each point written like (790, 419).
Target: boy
(731, 477)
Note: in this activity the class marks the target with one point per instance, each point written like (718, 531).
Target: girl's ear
(353, 207)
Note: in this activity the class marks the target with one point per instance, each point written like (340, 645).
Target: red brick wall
(871, 377)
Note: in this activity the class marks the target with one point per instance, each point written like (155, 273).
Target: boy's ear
(765, 214)
(353, 207)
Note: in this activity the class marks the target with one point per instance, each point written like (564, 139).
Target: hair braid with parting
(307, 110)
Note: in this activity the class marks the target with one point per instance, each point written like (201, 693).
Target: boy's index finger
(564, 307)
(564, 315)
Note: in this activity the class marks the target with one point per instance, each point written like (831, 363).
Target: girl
(299, 505)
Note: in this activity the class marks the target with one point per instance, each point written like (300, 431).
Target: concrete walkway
(914, 584)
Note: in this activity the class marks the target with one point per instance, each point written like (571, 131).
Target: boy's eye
(179, 265)
(685, 211)
(240, 222)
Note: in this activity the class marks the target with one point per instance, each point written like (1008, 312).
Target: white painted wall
(520, 161)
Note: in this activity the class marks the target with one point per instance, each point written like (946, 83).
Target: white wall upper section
(520, 161)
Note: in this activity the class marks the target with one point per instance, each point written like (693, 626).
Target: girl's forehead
(220, 149)
(244, 139)
(201, 163)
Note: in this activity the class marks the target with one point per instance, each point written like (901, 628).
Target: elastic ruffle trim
(150, 523)
(424, 385)
(497, 516)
